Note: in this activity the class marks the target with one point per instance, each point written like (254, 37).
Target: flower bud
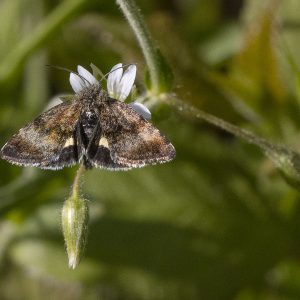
(74, 225)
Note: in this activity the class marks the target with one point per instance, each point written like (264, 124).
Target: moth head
(120, 80)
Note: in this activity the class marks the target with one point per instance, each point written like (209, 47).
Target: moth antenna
(69, 71)
(122, 67)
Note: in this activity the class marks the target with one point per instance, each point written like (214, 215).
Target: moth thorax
(89, 121)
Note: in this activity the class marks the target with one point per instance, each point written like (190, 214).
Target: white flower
(84, 80)
(141, 109)
(119, 85)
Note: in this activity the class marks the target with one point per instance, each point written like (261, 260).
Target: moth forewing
(130, 138)
(43, 142)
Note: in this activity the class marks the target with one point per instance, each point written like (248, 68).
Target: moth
(96, 127)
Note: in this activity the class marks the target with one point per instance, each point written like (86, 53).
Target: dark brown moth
(93, 128)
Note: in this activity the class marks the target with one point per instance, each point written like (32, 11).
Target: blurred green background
(219, 222)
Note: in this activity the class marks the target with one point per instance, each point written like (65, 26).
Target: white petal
(53, 102)
(127, 82)
(141, 109)
(76, 83)
(87, 75)
(113, 79)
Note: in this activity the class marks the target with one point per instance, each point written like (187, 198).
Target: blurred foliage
(217, 223)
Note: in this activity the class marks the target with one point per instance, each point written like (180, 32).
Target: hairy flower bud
(74, 224)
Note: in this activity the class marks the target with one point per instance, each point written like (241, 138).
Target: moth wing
(99, 154)
(49, 142)
(126, 140)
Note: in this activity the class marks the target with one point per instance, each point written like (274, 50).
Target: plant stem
(12, 62)
(286, 159)
(136, 21)
(76, 184)
(192, 111)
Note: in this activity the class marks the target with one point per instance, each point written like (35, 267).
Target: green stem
(136, 21)
(286, 159)
(76, 184)
(192, 111)
(12, 62)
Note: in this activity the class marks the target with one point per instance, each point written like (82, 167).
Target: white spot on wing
(69, 142)
(103, 142)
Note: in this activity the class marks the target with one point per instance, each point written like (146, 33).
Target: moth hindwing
(95, 128)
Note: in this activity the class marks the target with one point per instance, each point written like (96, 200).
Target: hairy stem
(194, 112)
(77, 180)
(136, 21)
(286, 159)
